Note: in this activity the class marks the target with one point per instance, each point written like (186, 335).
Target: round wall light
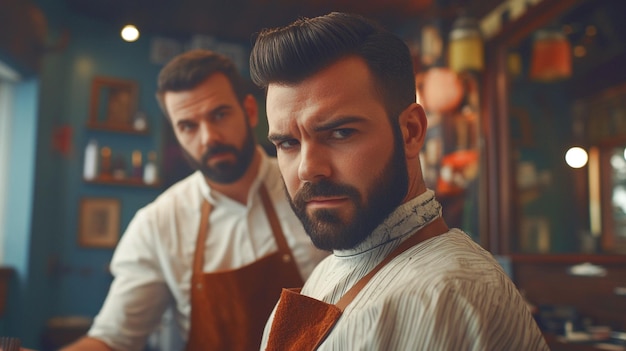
(130, 33)
(576, 157)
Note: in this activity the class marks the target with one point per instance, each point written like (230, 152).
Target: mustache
(218, 149)
(323, 188)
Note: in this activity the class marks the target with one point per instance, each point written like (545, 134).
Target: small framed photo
(99, 222)
(113, 103)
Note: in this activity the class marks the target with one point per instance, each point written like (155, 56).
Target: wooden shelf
(107, 127)
(132, 182)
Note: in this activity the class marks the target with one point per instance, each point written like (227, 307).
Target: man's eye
(342, 133)
(287, 144)
(186, 127)
(220, 115)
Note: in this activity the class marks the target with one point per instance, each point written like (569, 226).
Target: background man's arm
(87, 344)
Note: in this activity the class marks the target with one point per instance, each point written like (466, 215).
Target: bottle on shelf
(119, 168)
(150, 172)
(137, 170)
(140, 121)
(105, 162)
(90, 170)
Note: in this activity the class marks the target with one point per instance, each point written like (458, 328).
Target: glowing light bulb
(130, 33)
(576, 157)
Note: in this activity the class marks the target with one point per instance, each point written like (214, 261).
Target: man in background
(342, 113)
(217, 246)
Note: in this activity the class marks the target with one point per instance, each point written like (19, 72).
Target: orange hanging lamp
(551, 57)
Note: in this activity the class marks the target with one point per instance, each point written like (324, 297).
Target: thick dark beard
(225, 172)
(326, 228)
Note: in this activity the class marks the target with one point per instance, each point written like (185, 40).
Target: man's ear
(251, 108)
(413, 124)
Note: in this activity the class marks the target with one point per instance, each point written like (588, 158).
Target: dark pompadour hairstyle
(295, 52)
(188, 70)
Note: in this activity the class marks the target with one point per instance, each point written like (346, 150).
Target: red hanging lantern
(442, 90)
(551, 56)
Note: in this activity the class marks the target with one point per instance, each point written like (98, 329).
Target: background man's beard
(328, 230)
(225, 172)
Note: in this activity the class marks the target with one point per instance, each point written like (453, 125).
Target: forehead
(216, 88)
(347, 87)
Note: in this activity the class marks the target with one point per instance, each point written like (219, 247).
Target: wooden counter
(546, 280)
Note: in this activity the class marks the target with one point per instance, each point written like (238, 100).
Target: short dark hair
(189, 69)
(290, 54)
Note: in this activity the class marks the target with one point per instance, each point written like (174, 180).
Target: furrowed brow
(277, 138)
(338, 123)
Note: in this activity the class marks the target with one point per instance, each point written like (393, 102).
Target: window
(7, 79)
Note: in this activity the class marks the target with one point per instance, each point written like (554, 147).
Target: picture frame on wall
(113, 103)
(99, 222)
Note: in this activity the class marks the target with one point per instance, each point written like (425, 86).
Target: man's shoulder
(452, 259)
(181, 194)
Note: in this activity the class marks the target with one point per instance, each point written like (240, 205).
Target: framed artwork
(99, 222)
(113, 103)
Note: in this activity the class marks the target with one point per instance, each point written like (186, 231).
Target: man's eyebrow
(337, 123)
(277, 137)
(212, 112)
(220, 108)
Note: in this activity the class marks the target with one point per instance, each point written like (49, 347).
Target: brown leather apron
(229, 309)
(302, 323)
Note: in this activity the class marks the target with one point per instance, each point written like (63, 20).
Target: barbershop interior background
(526, 103)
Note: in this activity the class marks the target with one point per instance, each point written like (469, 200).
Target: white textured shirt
(153, 261)
(445, 293)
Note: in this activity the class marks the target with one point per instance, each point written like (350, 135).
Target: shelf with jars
(110, 157)
(102, 166)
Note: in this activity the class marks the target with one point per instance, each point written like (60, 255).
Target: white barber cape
(446, 293)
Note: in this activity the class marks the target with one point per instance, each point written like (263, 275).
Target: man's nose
(314, 163)
(208, 133)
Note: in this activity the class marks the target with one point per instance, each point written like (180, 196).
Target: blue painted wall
(57, 277)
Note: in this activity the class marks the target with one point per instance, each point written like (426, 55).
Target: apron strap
(432, 229)
(277, 231)
(281, 242)
(198, 259)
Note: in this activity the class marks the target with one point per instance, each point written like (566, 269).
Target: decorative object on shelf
(90, 167)
(140, 121)
(551, 56)
(150, 172)
(137, 171)
(119, 168)
(112, 168)
(466, 49)
(99, 222)
(113, 103)
(105, 162)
